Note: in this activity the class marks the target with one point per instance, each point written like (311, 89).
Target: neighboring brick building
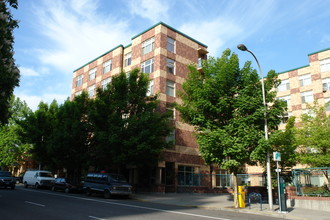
(303, 85)
(164, 53)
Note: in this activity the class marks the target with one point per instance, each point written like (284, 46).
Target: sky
(55, 37)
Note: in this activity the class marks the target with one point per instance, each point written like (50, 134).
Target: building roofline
(173, 29)
(99, 57)
(318, 51)
(294, 69)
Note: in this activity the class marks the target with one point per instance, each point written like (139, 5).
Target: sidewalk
(225, 202)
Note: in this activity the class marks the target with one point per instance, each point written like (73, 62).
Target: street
(35, 204)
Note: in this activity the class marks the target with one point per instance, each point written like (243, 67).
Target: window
(285, 85)
(285, 117)
(287, 99)
(91, 91)
(327, 104)
(170, 88)
(148, 46)
(92, 74)
(171, 137)
(150, 88)
(105, 83)
(188, 176)
(170, 66)
(128, 59)
(326, 84)
(148, 66)
(172, 111)
(78, 93)
(305, 79)
(325, 65)
(307, 96)
(107, 66)
(170, 45)
(79, 80)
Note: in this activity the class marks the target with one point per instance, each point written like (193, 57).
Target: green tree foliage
(225, 105)
(12, 149)
(37, 129)
(9, 73)
(313, 137)
(284, 141)
(129, 129)
(70, 140)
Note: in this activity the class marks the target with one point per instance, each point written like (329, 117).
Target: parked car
(38, 178)
(107, 183)
(19, 178)
(66, 185)
(7, 180)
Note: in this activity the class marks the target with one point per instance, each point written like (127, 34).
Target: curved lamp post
(242, 47)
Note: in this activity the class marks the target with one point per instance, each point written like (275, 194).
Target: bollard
(241, 197)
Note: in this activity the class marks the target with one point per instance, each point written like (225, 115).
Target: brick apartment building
(164, 53)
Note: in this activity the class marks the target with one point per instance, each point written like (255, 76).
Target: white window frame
(105, 83)
(150, 91)
(326, 84)
(91, 91)
(286, 117)
(170, 88)
(170, 66)
(189, 176)
(78, 93)
(286, 98)
(147, 66)
(148, 46)
(170, 137)
(285, 85)
(170, 45)
(128, 59)
(307, 97)
(92, 74)
(327, 106)
(107, 66)
(79, 80)
(325, 65)
(305, 80)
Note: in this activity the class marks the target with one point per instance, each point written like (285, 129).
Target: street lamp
(242, 47)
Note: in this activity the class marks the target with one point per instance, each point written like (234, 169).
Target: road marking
(93, 217)
(128, 205)
(33, 203)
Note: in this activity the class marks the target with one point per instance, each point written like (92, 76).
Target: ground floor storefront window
(188, 176)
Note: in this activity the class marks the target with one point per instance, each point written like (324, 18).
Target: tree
(13, 150)
(9, 73)
(224, 104)
(284, 141)
(37, 129)
(70, 142)
(313, 138)
(129, 128)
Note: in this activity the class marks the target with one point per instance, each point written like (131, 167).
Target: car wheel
(88, 192)
(37, 186)
(67, 190)
(25, 185)
(107, 194)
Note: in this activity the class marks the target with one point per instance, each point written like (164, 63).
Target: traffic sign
(276, 156)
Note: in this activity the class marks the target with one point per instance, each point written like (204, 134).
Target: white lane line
(33, 203)
(93, 217)
(132, 206)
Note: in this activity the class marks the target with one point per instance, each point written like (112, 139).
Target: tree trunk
(234, 181)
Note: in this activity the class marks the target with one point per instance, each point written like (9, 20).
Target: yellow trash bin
(241, 197)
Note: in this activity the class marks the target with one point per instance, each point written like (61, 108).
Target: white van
(38, 178)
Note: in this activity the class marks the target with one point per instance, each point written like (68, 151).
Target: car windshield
(5, 174)
(118, 178)
(44, 174)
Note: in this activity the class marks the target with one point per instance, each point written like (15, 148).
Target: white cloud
(325, 39)
(33, 101)
(77, 32)
(154, 10)
(26, 71)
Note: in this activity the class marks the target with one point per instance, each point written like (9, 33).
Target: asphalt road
(43, 204)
